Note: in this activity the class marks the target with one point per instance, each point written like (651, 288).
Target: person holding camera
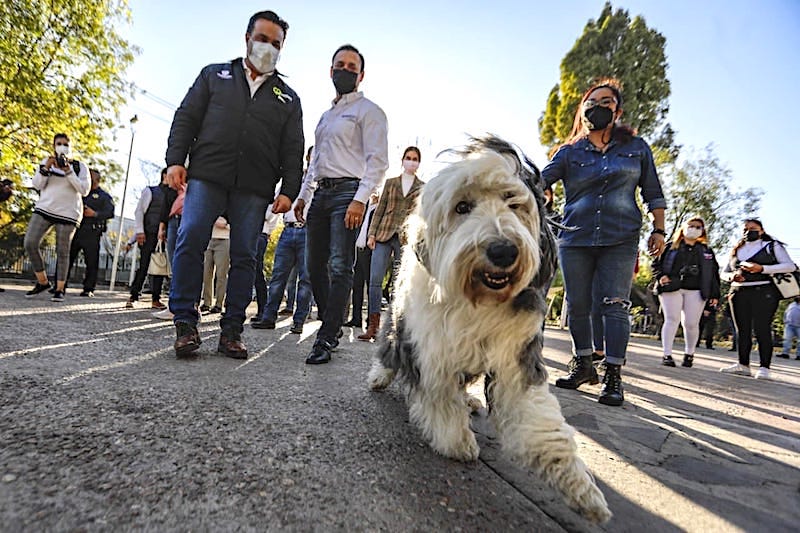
(98, 207)
(62, 183)
(687, 275)
(753, 296)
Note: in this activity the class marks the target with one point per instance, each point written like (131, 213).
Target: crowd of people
(240, 128)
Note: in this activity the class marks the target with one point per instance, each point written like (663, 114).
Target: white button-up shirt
(351, 141)
(254, 84)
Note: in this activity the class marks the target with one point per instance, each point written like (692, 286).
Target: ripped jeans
(611, 267)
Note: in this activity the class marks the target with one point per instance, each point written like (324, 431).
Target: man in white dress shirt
(349, 163)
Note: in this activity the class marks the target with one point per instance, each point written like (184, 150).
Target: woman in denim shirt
(601, 166)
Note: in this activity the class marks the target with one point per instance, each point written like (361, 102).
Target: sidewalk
(103, 429)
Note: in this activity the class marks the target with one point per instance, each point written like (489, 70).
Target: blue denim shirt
(600, 190)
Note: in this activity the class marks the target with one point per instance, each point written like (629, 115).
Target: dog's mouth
(495, 280)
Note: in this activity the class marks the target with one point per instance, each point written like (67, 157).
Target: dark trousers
(707, 327)
(146, 250)
(753, 310)
(360, 281)
(86, 239)
(330, 254)
(261, 280)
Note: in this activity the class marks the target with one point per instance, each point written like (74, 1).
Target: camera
(689, 271)
(61, 159)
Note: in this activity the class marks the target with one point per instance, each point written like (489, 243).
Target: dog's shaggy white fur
(469, 300)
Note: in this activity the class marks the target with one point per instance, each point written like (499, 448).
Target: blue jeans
(330, 254)
(598, 342)
(378, 265)
(611, 267)
(172, 236)
(790, 333)
(260, 280)
(204, 202)
(289, 253)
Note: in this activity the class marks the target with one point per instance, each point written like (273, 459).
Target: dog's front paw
(592, 505)
(464, 449)
(473, 403)
(379, 376)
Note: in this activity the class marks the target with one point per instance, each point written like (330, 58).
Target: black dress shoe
(267, 323)
(320, 354)
(352, 323)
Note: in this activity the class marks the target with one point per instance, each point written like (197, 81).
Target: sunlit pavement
(101, 428)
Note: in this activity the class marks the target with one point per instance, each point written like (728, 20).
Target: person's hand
(738, 277)
(282, 204)
(162, 235)
(140, 239)
(655, 244)
(221, 223)
(706, 313)
(354, 215)
(371, 242)
(50, 163)
(713, 302)
(753, 268)
(299, 206)
(664, 280)
(89, 212)
(177, 173)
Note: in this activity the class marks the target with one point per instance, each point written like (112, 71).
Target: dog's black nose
(502, 254)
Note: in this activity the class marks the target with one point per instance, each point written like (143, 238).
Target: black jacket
(236, 141)
(709, 271)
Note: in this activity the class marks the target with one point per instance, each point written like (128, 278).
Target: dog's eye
(515, 206)
(462, 208)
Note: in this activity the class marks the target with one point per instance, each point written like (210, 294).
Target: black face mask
(344, 81)
(598, 117)
(752, 235)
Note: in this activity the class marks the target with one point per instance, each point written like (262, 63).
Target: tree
(61, 70)
(614, 46)
(700, 184)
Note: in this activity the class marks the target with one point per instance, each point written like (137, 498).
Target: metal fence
(21, 267)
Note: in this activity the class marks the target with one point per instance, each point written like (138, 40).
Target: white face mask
(410, 166)
(263, 56)
(62, 149)
(693, 233)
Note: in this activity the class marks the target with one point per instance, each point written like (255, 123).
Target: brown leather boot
(188, 339)
(231, 345)
(372, 328)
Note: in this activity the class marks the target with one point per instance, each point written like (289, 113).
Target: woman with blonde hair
(687, 275)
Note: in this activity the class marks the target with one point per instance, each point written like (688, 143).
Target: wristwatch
(659, 231)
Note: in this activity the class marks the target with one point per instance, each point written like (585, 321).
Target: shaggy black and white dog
(470, 300)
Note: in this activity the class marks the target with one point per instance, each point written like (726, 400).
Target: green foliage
(701, 185)
(61, 70)
(614, 46)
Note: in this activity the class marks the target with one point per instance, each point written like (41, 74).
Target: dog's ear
(549, 250)
(532, 361)
(421, 251)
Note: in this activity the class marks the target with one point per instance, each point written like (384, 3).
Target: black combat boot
(611, 391)
(581, 371)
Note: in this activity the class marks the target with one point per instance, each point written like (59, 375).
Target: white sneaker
(164, 314)
(764, 373)
(742, 370)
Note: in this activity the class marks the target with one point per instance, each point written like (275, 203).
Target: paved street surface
(102, 429)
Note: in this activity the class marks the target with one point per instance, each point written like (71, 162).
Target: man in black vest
(241, 126)
(147, 219)
(98, 207)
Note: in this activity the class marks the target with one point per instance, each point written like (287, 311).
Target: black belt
(328, 183)
(295, 224)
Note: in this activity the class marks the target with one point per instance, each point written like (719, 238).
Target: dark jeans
(613, 268)
(291, 289)
(260, 279)
(753, 310)
(289, 253)
(86, 240)
(707, 326)
(145, 251)
(330, 254)
(360, 282)
(598, 342)
(204, 202)
(383, 253)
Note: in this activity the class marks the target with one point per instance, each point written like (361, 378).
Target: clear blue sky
(441, 69)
